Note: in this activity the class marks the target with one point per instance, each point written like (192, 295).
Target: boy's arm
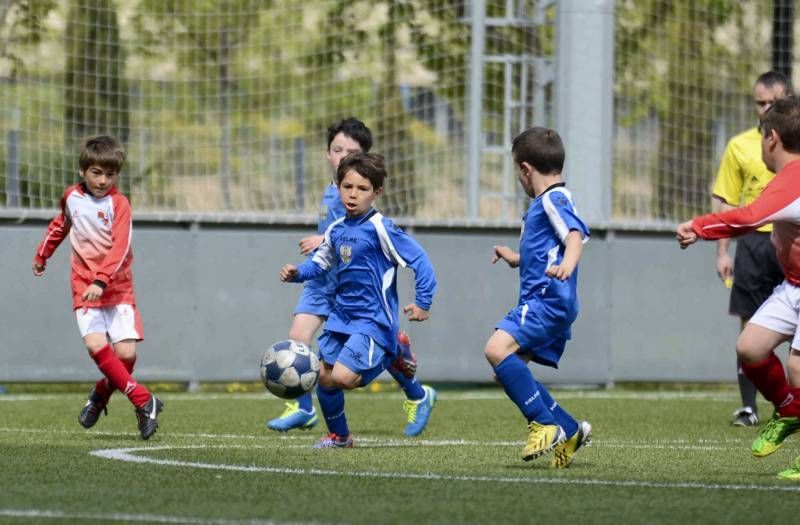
(572, 253)
(405, 251)
(778, 201)
(322, 261)
(507, 254)
(57, 231)
(120, 243)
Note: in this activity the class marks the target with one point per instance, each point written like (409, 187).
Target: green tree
(21, 23)
(429, 29)
(96, 98)
(672, 64)
(210, 35)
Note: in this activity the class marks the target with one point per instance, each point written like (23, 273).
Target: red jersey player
(97, 219)
(776, 321)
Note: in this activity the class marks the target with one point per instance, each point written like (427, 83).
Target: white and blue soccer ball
(289, 369)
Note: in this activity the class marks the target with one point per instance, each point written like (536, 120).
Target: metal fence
(223, 105)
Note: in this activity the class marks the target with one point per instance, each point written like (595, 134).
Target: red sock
(104, 389)
(770, 379)
(119, 377)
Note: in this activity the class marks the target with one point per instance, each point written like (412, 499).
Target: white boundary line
(488, 395)
(129, 455)
(368, 442)
(37, 514)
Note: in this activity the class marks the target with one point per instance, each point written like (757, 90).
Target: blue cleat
(419, 412)
(293, 417)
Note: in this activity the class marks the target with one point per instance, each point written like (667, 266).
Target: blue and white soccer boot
(419, 412)
(293, 417)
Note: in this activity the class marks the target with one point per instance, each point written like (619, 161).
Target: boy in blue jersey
(316, 302)
(365, 249)
(538, 328)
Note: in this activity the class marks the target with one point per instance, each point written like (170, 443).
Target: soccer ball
(289, 369)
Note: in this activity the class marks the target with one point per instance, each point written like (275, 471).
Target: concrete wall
(211, 302)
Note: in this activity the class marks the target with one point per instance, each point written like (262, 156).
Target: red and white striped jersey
(100, 233)
(779, 204)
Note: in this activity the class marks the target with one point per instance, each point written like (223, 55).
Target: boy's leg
(420, 399)
(101, 394)
(331, 403)
(299, 413)
(521, 387)
(123, 326)
(756, 346)
(330, 395)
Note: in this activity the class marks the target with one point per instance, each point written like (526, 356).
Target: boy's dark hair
(369, 165)
(102, 150)
(353, 128)
(784, 118)
(771, 79)
(541, 148)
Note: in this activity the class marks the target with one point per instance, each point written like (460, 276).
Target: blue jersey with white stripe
(550, 217)
(367, 250)
(331, 208)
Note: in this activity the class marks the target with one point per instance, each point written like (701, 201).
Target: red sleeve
(57, 231)
(774, 204)
(120, 241)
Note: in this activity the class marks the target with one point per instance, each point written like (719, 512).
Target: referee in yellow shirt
(754, 272)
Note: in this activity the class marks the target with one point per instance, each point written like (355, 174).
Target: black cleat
(147, 416)
(90, 412)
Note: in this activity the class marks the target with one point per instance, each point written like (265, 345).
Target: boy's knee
(494, 353)
(746, 352)
(346, 380)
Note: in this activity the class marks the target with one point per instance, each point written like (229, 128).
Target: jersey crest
(346, 253)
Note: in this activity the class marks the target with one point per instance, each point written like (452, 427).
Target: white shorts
(120, 322)
(781, 312)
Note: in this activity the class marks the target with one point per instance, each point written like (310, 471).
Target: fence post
(299, 173)
(12, 154)
(475, 109)
(585, 101)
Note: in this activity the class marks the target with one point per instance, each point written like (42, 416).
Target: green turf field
(666, 457)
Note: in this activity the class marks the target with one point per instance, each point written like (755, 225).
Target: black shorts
(756, 273)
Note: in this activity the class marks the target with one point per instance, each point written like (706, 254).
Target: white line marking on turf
(128, 455)
(446, 396)
(368, 442)
(37, 514)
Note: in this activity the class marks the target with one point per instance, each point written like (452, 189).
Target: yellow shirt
(742, 175)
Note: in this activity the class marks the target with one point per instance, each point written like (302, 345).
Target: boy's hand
(38, 270)
(559, 271)
(288, 273)
(685, 235)
(92, 293)
(507, 254)
(415, 313)
(310, 243)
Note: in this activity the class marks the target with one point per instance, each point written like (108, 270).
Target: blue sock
(331, 402)
(305, 402)
(522, 389)
(410, 386)
(562, 417)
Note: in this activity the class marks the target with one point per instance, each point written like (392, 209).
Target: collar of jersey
(360, 219)
(556, 185)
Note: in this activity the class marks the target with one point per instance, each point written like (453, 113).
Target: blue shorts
(358, 352)
(314, 302)
(527, 326)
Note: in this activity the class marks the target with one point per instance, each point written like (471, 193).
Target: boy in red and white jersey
(776, 321)
(97, 219)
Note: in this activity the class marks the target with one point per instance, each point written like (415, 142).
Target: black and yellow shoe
(542, 439)
(565, 452)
